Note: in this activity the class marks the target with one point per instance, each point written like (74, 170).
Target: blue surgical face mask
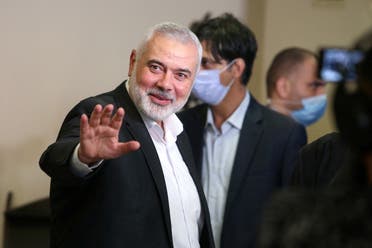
(208, 87)
(313, 109)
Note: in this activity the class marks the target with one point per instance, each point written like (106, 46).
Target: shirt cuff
(79, 168)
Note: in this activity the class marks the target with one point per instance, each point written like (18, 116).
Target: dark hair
(364, 71)
(227, 39)
(353, 101)
(284, 64)
(353, 107)
(364, 42)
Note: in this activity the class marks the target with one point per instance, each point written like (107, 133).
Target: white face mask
(208, 87)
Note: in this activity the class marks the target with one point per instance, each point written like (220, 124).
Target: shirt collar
(172, 127)
(237, 117)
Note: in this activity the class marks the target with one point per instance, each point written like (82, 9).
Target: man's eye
(181, 76)
(206, 63)
(155, 68)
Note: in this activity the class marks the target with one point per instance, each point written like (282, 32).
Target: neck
(161, 124)
(278, 106)
(229, 104)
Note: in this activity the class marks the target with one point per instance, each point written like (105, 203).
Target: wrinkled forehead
(171, 51)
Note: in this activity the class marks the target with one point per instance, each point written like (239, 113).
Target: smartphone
(338, 64)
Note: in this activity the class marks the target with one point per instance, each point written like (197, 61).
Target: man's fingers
(95, 117)
(83, 125)
(117, 119)
(106, 114)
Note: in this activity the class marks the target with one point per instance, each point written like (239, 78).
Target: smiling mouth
(160, 99)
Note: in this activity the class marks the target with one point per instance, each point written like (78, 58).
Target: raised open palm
(99, 135)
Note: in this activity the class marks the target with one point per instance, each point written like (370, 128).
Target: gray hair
(174, 31)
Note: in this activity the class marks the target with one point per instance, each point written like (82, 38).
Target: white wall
(54, 53)
(312, 24)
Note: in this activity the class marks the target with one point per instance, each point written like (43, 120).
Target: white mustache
(161, 93)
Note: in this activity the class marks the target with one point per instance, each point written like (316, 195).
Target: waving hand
(99, 135)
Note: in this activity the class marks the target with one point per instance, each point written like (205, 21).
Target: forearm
(55, 161)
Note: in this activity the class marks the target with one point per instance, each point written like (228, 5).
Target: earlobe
(132, 61)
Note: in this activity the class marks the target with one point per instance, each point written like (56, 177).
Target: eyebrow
(184, 70)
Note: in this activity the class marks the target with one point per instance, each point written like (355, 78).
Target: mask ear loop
(228, 65)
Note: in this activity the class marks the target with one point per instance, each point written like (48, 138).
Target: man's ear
(282, 87)
(238, 67)
(132, 61)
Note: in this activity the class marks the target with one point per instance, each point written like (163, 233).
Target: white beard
(148, 108)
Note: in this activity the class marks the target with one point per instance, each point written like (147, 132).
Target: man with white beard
(130, 181)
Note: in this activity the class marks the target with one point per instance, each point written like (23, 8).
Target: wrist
(85, 159)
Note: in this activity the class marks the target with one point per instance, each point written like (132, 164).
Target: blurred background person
(335, 212)
(320, 161)
(293, 86)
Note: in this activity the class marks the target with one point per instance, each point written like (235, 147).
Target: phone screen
(339, 64)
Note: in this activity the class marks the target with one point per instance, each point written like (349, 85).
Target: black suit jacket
(264, 161)
(124, 202)
(329, 162)
(320, 161)
(330, 180)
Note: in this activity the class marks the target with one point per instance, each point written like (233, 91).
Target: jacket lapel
(249, 137)
(186, 152)
(135, 125)
(196, 129)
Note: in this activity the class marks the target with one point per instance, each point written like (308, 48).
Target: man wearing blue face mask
(293, 87)
(209, 88)
(244, 151)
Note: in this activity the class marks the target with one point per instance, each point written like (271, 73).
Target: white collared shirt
(218, 160)
(183, 198)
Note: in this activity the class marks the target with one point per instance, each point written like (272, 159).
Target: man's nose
(166, 81)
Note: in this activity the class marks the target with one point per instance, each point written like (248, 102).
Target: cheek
(182, 90)
(303, 90)
(145, 80)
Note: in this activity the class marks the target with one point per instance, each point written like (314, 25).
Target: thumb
(129, 146)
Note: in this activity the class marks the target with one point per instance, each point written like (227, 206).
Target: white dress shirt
(218, 160)
(183, 198)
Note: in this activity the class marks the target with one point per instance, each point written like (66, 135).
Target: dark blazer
(123, 203)
(329, 162)
(264, 161)
(330, 180)
(320, 161)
